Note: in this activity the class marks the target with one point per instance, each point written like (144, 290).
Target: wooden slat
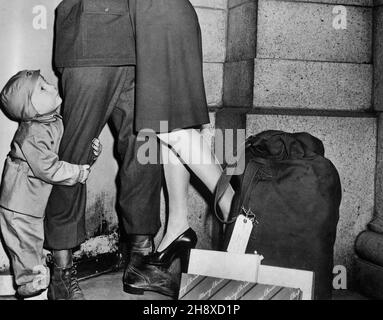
(290, 278)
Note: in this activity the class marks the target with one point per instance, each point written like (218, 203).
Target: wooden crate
(197, 287)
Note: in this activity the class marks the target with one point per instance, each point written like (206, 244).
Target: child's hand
(96, 148)
(84, 173)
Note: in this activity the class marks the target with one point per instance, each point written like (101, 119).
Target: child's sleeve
(45, 163)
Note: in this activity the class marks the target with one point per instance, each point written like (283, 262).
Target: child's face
(45, 97)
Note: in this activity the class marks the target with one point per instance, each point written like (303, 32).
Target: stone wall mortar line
(237, 61)
(325, 3)
(214, 62)
(295, 112)
(315, 61)
(226, 50)
(210, 8)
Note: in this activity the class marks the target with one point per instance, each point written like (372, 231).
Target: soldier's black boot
(140, 276)
(64, 284)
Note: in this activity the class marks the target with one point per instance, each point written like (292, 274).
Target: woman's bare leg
(177, 183)
(196, 153)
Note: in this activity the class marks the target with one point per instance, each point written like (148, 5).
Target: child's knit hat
(17, 93)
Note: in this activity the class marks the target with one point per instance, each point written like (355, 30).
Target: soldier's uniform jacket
(93, 33)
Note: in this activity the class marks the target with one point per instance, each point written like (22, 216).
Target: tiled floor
(109, 287)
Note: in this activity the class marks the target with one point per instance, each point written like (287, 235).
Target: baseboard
(94, 266)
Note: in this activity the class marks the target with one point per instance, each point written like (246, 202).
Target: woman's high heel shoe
(179, 248)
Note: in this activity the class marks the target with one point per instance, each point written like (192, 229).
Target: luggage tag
(241, 232)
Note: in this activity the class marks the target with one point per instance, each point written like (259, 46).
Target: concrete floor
(109, 287)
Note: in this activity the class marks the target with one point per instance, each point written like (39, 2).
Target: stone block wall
(308, 66)
(378, 96)
(241, 45)
(212, 19)
(301, 30)
(302, 84)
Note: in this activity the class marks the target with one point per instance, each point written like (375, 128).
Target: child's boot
(41, 296)
(64, 284)
(37, 285)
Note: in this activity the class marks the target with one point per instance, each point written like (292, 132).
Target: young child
(32, 166)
